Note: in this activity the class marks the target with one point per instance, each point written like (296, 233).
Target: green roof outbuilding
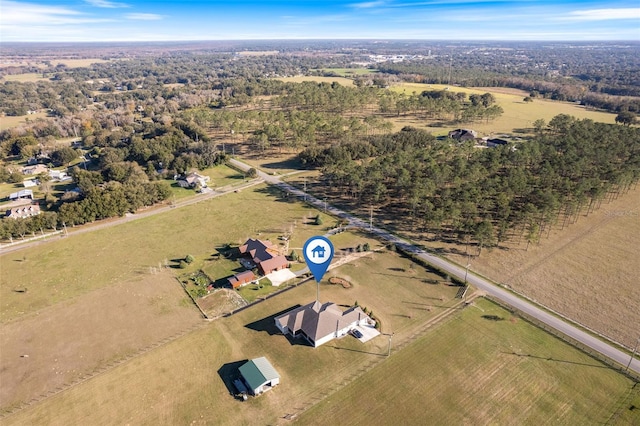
(259, 375)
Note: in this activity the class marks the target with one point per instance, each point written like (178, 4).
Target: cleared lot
(59, 345)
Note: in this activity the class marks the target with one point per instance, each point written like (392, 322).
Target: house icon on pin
(318, 252)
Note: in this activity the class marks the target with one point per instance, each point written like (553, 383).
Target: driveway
(368, 332)
(278, 277)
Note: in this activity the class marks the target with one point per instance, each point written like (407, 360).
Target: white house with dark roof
(320, 323)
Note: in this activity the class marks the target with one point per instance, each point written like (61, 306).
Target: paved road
(491, 289)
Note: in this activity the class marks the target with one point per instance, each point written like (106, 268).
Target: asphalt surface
(453, 269)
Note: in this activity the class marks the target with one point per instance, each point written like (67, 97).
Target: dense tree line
(484, 195)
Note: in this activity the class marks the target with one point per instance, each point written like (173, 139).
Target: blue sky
(160, 20)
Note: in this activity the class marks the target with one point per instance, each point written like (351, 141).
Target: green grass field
(468, 370)
(183, 381)
(518, 116)
(26, 77)
(479, 370)
(9, 122)
(65, 268)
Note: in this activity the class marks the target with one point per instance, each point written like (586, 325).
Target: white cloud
(604, 14)
(106, 4)
(29, 14)
(143, 16)
(367, 4)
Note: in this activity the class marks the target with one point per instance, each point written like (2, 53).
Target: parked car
(356, 333)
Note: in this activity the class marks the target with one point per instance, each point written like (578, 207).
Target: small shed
(259, 375)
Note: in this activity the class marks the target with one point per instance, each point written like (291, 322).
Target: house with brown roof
(462, 135)
(320, 323)
(264, 255)
(241, 279)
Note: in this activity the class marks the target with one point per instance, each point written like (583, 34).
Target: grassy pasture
(75, 338)
(518, 115)
(477, 370)
(182, 381)
(78, 63)
(470, 369)
(7, 122)
(63, 269)
(299, 79)
(26, 77)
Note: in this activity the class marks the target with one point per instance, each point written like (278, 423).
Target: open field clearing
(183, 381)
(72, 339)
(341, 80)
(482, 367)
(25, 78)
(518, 115)
(63, 269)
(7, 122)
(79, 63)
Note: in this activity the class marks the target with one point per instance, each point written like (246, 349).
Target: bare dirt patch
(221, 302)
(588, 271)
(60, 344)
(340, 281)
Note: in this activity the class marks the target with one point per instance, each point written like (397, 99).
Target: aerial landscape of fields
(352, 215)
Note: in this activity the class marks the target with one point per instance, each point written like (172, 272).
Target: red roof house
(241, 279)
(264, 255)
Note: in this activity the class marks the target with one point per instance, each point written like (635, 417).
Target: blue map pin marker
(318, 252)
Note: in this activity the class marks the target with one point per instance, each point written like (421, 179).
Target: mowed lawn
(479, 370)
(65, 268)
(518, 115)
(187, 380)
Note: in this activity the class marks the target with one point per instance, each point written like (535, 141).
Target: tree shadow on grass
(290, 163)
(229, 372)
(493, 317)
(556, 360)
(279, 194)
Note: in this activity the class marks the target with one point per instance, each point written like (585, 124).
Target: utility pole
(633, 354)
(305, 188)
(389, 349)
(466, 271)
(370, 218)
